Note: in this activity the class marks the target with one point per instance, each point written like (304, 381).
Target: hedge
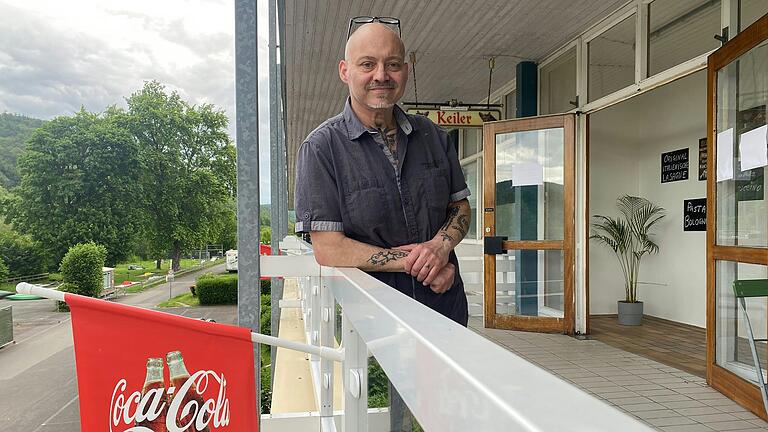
(216, 289)
(222, 289)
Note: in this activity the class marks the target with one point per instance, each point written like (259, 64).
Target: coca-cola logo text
(127, 410)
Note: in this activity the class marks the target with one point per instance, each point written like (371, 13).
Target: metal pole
(277, 206)
(283, 116)
(247, 138)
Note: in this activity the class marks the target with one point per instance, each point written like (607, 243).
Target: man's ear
(343, 70)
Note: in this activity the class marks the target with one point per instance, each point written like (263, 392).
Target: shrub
(22, 255)
(266, 286)
(81, 269)
(265, 323)
(217, 289)
(3, 271)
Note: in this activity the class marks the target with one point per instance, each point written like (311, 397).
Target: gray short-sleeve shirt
(346, 182)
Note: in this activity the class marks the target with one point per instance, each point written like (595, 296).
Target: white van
(232, 260)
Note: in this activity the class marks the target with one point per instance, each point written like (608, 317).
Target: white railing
(451, 378)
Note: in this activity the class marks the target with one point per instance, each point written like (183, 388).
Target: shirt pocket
(367, 205)
(437, 193)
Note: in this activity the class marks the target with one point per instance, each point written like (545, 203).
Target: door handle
(494, 245)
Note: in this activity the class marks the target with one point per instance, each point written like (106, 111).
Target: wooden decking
(678, 345)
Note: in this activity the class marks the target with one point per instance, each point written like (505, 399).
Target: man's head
(374, 67)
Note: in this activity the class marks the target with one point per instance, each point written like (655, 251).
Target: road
(38, 385)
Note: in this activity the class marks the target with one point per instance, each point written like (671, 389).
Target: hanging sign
(674, 166)
(458, 118)
(695, 214)
(702, 159)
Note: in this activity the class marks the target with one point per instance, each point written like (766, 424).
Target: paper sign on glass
(752, 148)
(527, 174)
(725, 155)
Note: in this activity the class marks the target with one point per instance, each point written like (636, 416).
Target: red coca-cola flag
(140, 370)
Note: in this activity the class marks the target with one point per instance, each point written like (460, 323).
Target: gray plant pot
(630, 314)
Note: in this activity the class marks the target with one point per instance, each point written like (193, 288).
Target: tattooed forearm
(383, 257)
(452, 213)
(461, 230)
(446, 237)
(463, 222)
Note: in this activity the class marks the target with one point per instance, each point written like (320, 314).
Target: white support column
(581, 227)
(582, 169)
(641, 47)
(355, 377)
(729, 17)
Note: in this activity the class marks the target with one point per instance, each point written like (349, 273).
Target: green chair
(753, 288)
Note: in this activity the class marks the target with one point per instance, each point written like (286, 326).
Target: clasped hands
(428, 263)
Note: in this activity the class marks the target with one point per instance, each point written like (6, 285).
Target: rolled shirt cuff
(318, 226)
(460, 195)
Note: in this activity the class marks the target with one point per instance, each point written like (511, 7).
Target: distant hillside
(15, 130)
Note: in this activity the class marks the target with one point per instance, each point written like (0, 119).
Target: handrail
(451, 378)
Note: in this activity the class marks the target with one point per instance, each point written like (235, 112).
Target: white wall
(626, 143)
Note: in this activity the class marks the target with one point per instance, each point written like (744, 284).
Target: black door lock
(494, 245)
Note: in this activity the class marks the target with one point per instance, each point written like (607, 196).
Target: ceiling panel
(453, 41)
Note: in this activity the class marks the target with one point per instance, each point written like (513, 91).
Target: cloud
(58, 56)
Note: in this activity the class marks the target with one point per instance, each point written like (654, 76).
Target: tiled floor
(665, 397)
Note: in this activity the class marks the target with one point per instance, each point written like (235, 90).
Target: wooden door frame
(723, 380)
(567, 245)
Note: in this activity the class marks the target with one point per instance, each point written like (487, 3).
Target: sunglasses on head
(360, 20)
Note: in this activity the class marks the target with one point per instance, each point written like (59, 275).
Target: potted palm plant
(629, 237)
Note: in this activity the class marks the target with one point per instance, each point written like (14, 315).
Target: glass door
(737, 217)
(528, 223)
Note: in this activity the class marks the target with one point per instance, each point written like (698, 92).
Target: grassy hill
(15, 130)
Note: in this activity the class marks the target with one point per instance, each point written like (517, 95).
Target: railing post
(327, 339)
(355, 376)
(314, 315)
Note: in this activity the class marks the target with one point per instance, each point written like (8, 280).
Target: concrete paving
(38, 386)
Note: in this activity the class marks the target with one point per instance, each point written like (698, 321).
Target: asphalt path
(38, 384)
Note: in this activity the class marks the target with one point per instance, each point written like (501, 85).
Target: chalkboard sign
(749, 185)
(702, 159)
(695, 214)
(674, 166)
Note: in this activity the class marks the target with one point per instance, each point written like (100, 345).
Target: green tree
(266, 235)
(15, 130)
(189, 168)
(227, 228)
(78, 184)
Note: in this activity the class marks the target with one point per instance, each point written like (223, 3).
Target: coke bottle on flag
(154, 393)
(189, 412)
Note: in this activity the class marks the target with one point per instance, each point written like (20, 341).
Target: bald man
(382, 190)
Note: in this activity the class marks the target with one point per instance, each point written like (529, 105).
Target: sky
(56, 56)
